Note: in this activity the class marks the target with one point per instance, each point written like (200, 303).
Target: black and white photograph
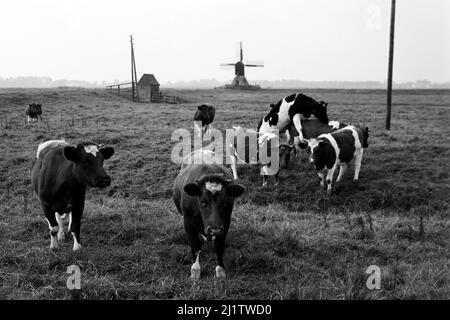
(221, 157)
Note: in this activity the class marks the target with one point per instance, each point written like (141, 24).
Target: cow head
(365, 142)
(39, 109)
(272, 117)
(88, 158)
(319, 109)
(205, 113)
(285, 154)
(215, 197)
(317, 156)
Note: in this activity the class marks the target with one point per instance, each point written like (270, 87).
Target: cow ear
(272, 105)
(107, 152)
(192, 189)
(71, 154)
(234, 190)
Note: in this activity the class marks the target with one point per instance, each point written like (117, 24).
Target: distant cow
(289, 110)
(60, 177)
(337, 149)
(204, 195)
(204, 114)
(34, 111)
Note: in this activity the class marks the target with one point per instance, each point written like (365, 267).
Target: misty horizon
(48, 82)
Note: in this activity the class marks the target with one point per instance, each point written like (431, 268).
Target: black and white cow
(33, 111)
(338, 148)
(204, 194)
(289, 111)
(311, 128)
(60, 177)
(204, 114)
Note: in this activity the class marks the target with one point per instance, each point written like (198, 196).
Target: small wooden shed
(147, 86)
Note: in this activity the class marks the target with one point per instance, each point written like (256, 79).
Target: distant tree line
(47, 82)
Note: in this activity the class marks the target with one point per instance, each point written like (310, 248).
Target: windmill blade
(227, 64)
(241, 53)
(254, 63)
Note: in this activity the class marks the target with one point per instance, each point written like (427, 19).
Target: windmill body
(240, 82)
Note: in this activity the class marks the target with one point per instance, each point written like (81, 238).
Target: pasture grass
(285, 242)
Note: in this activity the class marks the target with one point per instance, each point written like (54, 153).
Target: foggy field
(284, 242)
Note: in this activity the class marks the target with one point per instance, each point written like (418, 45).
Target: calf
(311, 128)
(337, 149)
(204, 114)
(60, 177)
(204, 194)
(34, 111)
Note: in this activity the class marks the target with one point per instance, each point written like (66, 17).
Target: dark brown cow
(204, 195)
(204, 114)
(34, 111)
(60, 177)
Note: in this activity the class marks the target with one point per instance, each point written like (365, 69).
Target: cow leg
(321, 175)
(264, 183)
(28, 119)
(74, 228)
(298, 126)
(330, 175)
(60, 221)
(276, 178)
(196, 242)
(358, 159)
(52, 225)
(342, 169)
(196, 270)
(219, 246)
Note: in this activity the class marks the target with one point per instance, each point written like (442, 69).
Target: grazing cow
(204, 194)
(289, 111)
(337, 149)
(204, 114)
(60, 177)
(34, 111)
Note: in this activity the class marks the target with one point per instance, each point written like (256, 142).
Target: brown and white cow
(338, 148)
(204, 194)
(60, 177)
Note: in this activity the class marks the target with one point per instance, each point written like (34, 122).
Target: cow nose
(104, 182)
(214, 231)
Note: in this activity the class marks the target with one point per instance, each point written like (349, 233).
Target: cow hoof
(76, 247)
(355, 180)
(195, 272)
(220, 272)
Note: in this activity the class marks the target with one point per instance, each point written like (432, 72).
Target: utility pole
(134, 89)
(390, 66)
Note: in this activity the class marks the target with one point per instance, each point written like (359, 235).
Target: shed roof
(148, 79)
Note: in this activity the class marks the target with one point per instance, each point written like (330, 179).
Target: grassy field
(285, 242)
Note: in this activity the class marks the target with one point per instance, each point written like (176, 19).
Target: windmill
(239, 81)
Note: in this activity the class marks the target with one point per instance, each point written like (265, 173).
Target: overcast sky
(187, 40)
